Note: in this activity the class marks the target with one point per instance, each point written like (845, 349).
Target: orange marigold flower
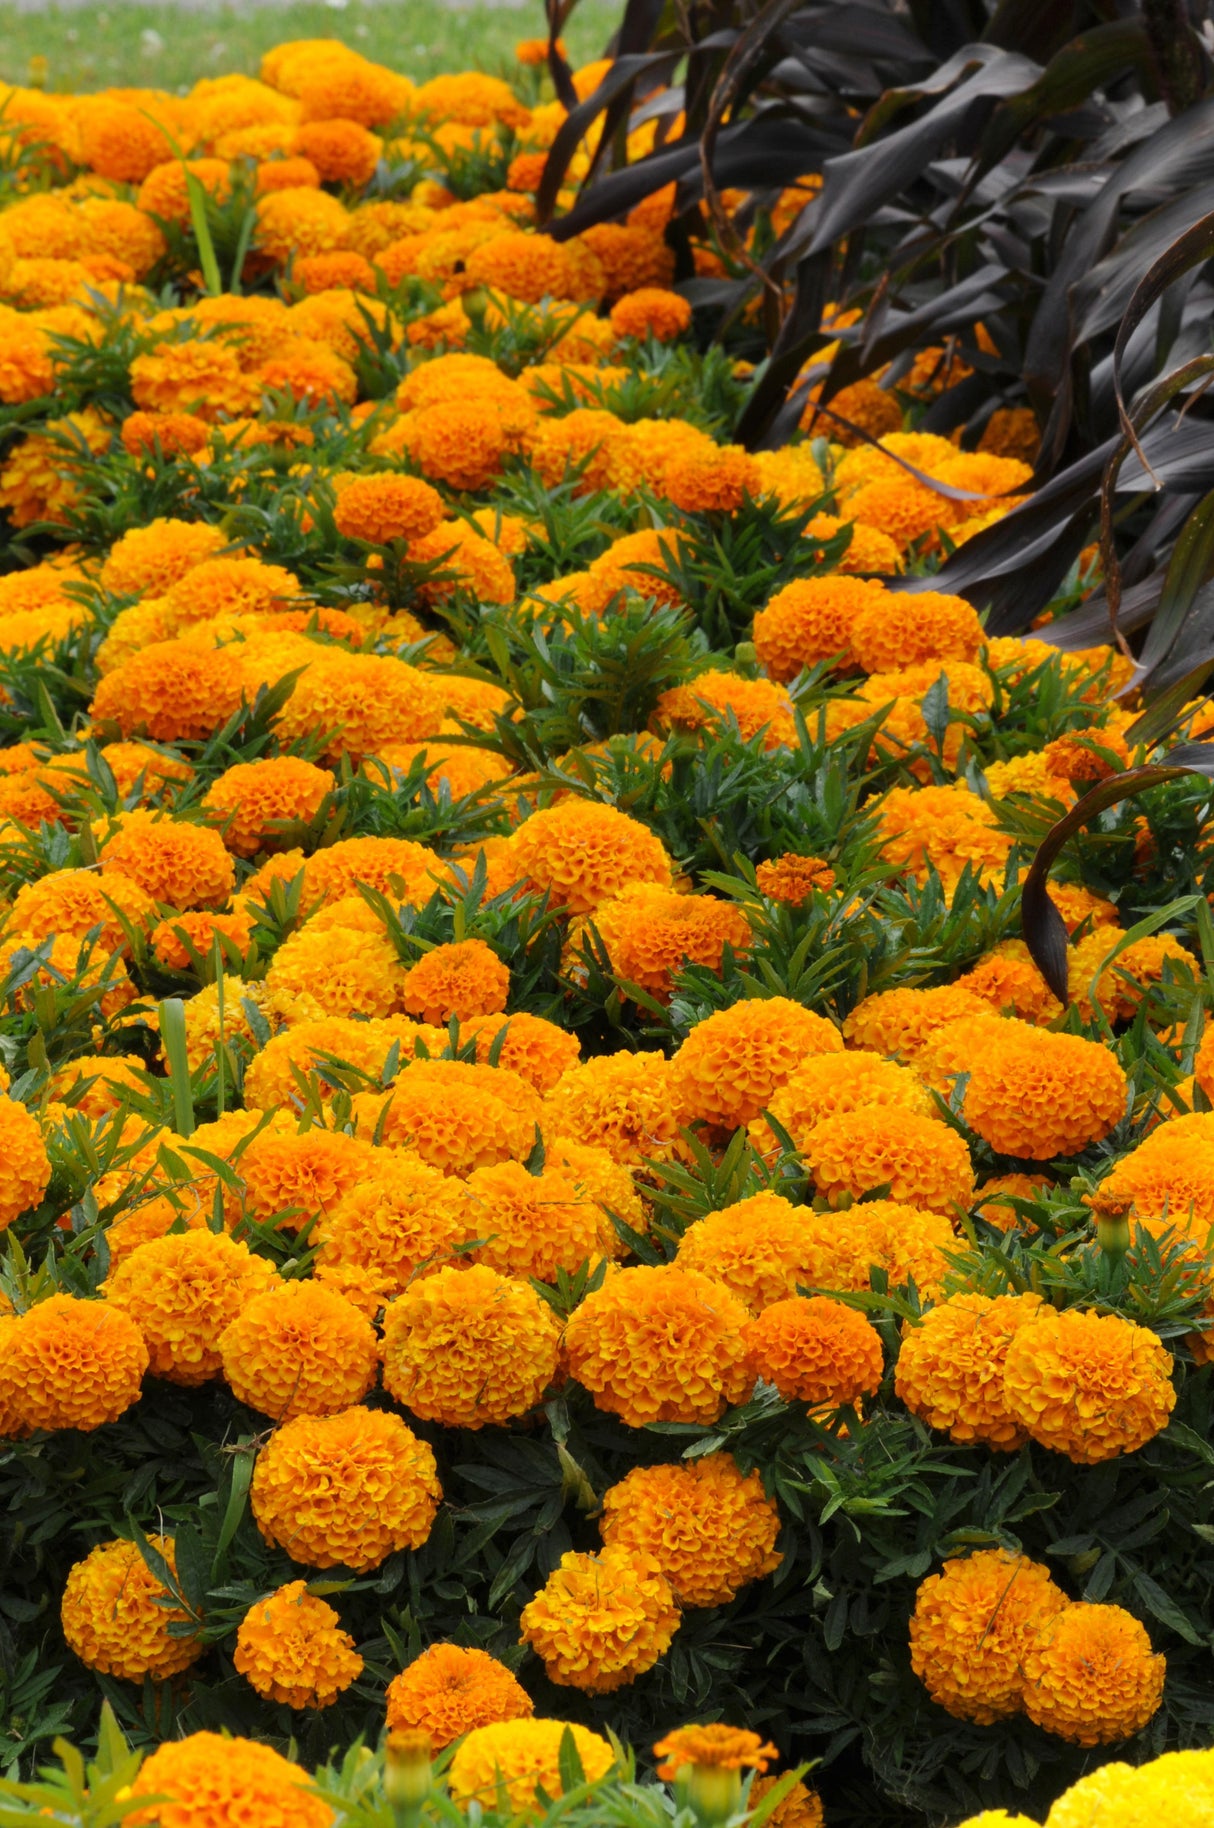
(456, 1115)
(210, 1781)
(147, 560)
(582, 851)
(169, 434)
(816, 1351)
(202, 377)
(1091, 1676)
(300, 220)
(1029, 1092)
(950, 1368)
(184, 865)
(902, 508)
(868, 549)
(74, 903)
(760, 1248)
(172, 691)
(73, 1364)
(974, 1625)
(387, 507)
(401, 1218)
(469, 1348)
(524, 1758)
(921, 1161)
(601, 1620)
(464, 978)
(345, 1490)
(651, 311)
(723, 1748)
(255, 800)
(810, 620)
(27, 1167)
(299, 1349)
(660, 1344)
(448, 1691)
(395, 866)
(900, 1023)
(41, 476)
(113, 1618)
(1007, 979)
(622, 1102)
(532, 1224)
(117, 139)
(730, 1064)
(290, 1647)
(343, 152)
(791, 878)
(182, 1291)
(901, 629)
(802, 1807)
(296, 1178)
(361, 702)
(719, 478)
(829, 1083)
(538, 1051)
(714, 700)
(532, 267)
(708, 1528)
(650, 933)
(323, 272)
(1090, 1386)
(633, 258)
(948, 829)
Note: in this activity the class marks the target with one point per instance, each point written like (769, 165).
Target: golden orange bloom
(708, 1528)
(209, 1781)
(728, 1748)
(582, 851)
(950, 1367)
(299, 1349)
(388, 507)
(256, 800)
(816, 1351)
(290, 1648)
(601, 1620)
(810, 621)
(791, 878)
(448, 1691)
(651, 311)
(623, 1103)
(468, 1347)
(112, 1617)
(27, 1167)
(523, 1756)
(464, 978)
(1090, 1386)
(182, 1291)
(974, 1627)
(1091, 1675)
(727, 1069)
(920, 1160)
(73, 1363)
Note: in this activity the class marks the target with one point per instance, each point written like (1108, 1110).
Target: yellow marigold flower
(523, 1757)
(582, 851)
(950, 1368)
(802, 1807)
(623, 1103)
(661, 1345)
(713, 700)
(202, 377)
(211, 1781)
(707, 1528)
(464, 978)
(113, 1619)
(1029, 1092)
(103, 1077)
(816, 1351)
(73, 1364)
(182, 1291)
(943, 828)
(389, 507)
(255, 799)
(650, 933)
(345, 1490)
(900, 1023)
(923, 1162)
(759, 1248)
(299, 1349)
(810, 620)
(290, 1647)
(171, 691)
(829, 1083)
(534, 267)
(456, 1115)
(165, 192)
(532, 1224)
(296, 1178)
(725, 1748)
(448, 1691)
(601, 1620)
(1090, 1386)
(235, 586)
(40, 478)
(147, 560)
(791, 878)
(651, 311)
(1091, 1676)
(336, 971)
(27, 1167)
(608, 1184)
(316, 273)
(467, 1347)
(974, 1626)
(300, 220)
(395, 866)
(201, 929)
(401, 1217)
(729, 1066)
(537, 1050)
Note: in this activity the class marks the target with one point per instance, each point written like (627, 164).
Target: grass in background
(165, 47)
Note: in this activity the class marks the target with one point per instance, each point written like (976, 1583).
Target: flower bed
(543, 1186)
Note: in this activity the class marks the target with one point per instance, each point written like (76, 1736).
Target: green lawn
(162, 47)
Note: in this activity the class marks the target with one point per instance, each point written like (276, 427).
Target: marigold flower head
(650, 933)
(300, 220)
(387, 507)
(1091, 1676)
(633, 257)
(364, 700)
(719, 478)
(802, 1807)
(182, 864)
(731, 1063)
(792, 879)
(210, 1781)
(651, 311)
(343, 152)
(810, 620)
(255, 799)
(27, 1167)
(401, 1217)
(606, 1183)
(181, 1292)
(827, 1084)
(40, 478)
(973, 1628)
(901, 628)
(950, 1368)
(534, 267)
(816, 1351)
(533, 1224)
(201, 377)
(169, 434)
(900, 1023)
(726, 1748)
(623, 1103)
(456, 1115)
(1007, 979)
(73, 1364)
(583, 851)
(1029, 1092)
(1090, 1386)
(523, 1758)
(290, 1647)
(295, 1178)
(601, 1620)
(706, 1527)
(759, 1248)
(469, 1347)
(464, 978)
(345, 1490)
(660, 1344)
(537, 1050)
(299, 1349)
(713, 700)
(921, 1161)
(395, 866)
(113, 1619)
(172, 691)
(448, 1691)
